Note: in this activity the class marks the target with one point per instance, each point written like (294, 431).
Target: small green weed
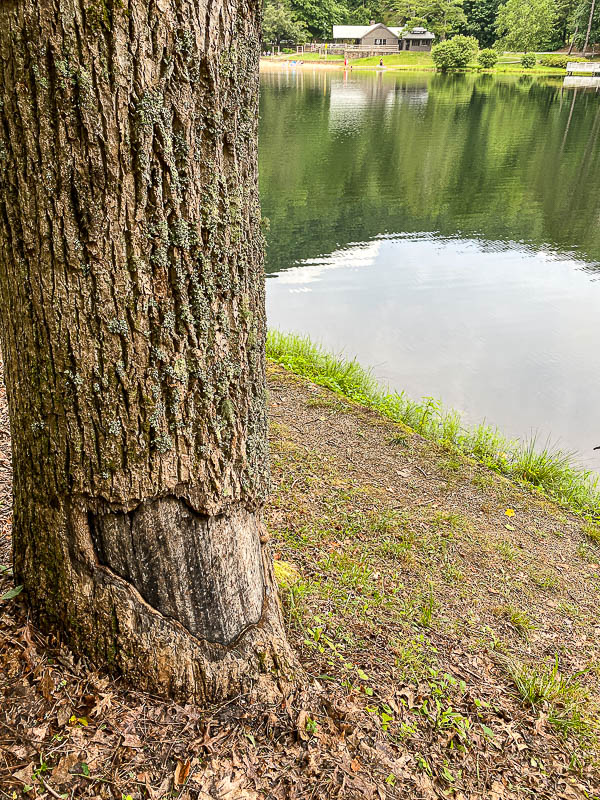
(413, 657)
(506, 550)
(544, 578)
(592, 531)
(519, 619)
(428, 607)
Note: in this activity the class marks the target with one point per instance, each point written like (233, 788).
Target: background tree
(280, 25)
(586, 25)
(588, 30)
(481, 20)
(407, 12)
(356, 12)
(132, 316)
(319, 16)
(565, 12)
(444, 17)
(526, 24)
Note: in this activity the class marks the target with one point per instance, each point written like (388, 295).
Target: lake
(445, 230)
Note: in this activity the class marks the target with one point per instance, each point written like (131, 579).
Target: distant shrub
(467, 46)
(559, 60)
(528, 61)
(488, 58)
(454, 53)
(444, 56)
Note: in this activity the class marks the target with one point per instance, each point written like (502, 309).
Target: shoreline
(270, 65)
(553, 473)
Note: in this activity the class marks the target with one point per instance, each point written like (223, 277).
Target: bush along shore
(549, 470)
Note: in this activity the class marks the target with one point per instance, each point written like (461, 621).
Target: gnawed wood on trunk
(132, 309)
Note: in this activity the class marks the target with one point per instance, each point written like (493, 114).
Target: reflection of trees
(482, 156)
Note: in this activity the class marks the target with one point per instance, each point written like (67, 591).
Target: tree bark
(589, 28)
(573, 39)
(133, 327)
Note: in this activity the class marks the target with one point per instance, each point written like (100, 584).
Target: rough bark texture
(133, 329)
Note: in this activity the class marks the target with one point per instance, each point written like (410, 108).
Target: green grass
(519, 619)
(549, 469)
(592, 532)
(306, 57)
(566, 699)
(397, 59)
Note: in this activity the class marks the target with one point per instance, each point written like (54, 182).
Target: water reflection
(445, 230)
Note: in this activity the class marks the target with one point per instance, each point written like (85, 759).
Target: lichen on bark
(133, 327)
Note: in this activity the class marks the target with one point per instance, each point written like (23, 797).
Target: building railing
(348, 49)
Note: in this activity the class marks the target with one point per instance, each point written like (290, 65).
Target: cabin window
(380, 41)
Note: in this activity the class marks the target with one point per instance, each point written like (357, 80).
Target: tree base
(200, 623)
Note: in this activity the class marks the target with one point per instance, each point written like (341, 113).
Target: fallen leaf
(61, 772)
(355, 765)
(25, 775)
(46, 685)
(37, 735)
(131, 740)
(64, 715)
(301, 726)
(103, 704)
(182, 770)
(540, 723)
(21, 751)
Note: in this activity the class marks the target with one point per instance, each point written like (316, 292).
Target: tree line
(510, 25)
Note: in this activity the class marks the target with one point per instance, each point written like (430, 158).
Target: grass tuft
(548, 468)
(565, 698)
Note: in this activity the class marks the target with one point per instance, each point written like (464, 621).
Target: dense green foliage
(319, 16)
(454, 53)
(519, 25)
(551, 470)
(481, 20)
(280, 24)
(528, 60)
(526, 24)
(488, 58)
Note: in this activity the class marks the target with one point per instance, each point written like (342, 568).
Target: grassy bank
(283, 57)
(406, 58)
(509, 63)
(546, 468)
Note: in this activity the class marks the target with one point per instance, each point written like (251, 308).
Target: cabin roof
(358, 31)
(418, 33)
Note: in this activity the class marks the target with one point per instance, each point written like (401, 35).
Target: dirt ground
(447, 622)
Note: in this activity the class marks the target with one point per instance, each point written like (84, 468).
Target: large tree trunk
(133, 328)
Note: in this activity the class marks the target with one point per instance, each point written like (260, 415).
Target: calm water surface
(446, 231)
